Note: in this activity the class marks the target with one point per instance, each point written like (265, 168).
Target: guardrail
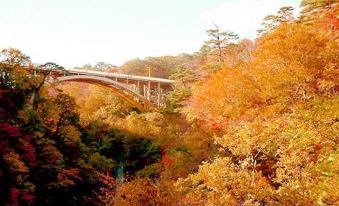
(119, 75)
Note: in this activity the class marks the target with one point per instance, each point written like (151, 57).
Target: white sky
(76, 32)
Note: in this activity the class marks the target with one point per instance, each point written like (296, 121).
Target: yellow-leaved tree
(276, 122)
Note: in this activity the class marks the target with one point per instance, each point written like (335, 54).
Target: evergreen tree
(271, 22)
(220, 40)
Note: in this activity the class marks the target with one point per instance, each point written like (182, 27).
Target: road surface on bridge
(117, 75)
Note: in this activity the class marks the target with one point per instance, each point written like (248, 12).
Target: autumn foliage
(275, 121)
(247, 123)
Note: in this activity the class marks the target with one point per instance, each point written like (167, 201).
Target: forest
(247, 123)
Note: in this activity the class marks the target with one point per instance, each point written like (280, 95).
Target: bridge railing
(119, 75)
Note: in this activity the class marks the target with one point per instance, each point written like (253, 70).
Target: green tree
(271, 22)
(175, 99)
(183, 75)
(220, 40)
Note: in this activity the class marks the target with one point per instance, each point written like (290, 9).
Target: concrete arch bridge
(145, 93)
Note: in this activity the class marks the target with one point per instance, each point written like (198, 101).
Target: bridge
(145, 93)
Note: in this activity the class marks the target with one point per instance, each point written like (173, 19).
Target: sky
(77, 32)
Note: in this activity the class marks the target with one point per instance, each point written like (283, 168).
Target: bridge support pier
(149, 91)
(159, 94)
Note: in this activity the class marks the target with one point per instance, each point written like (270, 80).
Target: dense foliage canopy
(247, 123)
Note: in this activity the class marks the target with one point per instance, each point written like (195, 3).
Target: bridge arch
(136, 99)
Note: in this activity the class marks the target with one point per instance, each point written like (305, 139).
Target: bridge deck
(116, 75)
(144, 91)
